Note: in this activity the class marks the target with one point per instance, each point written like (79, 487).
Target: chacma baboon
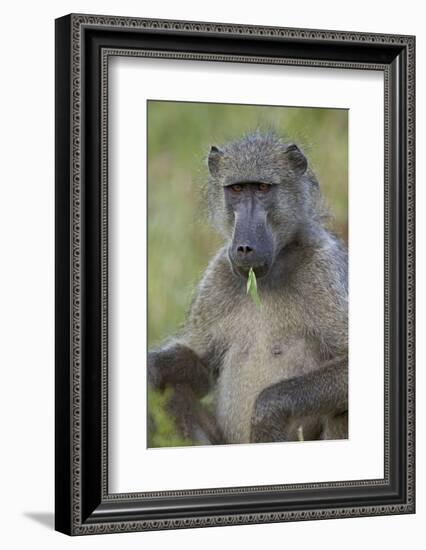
(280, 370)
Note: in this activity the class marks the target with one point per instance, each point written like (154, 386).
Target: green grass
(180, 241)
(252, 288)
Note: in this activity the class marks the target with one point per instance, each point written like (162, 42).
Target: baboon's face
(252, 243)
(256, 199)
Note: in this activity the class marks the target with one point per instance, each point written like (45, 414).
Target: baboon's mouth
(243, 270)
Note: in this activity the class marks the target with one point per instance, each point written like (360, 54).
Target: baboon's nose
(244, 250)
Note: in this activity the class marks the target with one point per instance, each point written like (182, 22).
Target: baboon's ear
(296, 159)
(214, 159)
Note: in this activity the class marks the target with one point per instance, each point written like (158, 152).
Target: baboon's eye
(237, 188)
(264, 187)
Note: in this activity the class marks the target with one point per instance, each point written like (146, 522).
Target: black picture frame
(83, 45)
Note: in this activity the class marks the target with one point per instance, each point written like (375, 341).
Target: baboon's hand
(177, 364)
(303, 401)
(271, 416)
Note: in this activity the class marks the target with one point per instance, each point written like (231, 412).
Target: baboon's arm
(281, 408)
(190, 362)
(178, 366)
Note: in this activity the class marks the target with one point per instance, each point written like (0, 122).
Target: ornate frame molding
(76, 510)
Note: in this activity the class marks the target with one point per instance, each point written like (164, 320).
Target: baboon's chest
(258, 357)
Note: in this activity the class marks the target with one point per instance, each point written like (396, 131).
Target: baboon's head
(260, 194)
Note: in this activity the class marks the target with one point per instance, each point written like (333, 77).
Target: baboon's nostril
(244, 249)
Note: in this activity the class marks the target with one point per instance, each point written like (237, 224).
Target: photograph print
(247, 274)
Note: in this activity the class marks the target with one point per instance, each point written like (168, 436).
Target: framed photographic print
(234, 274)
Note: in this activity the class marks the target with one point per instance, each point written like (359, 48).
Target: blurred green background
(180, 241)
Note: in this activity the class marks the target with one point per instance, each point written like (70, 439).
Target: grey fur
(285, 366)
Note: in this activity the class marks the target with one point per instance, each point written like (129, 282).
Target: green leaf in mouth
(252, 288)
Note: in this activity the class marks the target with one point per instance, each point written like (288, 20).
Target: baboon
(281, 370)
